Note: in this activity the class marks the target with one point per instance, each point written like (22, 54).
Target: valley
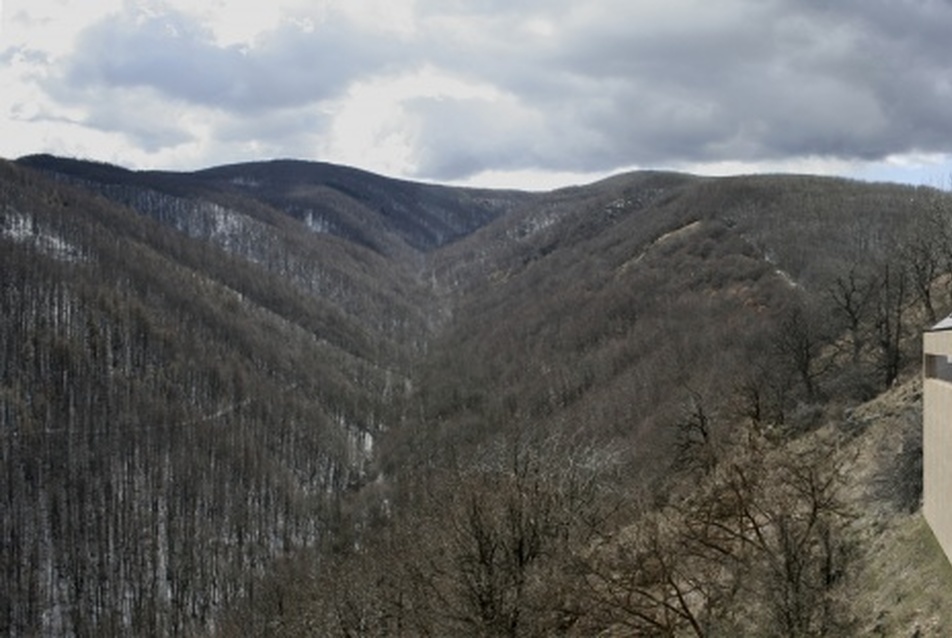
(292, 398)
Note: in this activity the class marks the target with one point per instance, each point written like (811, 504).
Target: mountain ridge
(274, 357)
(290, 186)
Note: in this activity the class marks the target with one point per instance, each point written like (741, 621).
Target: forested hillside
(191, 382)
(298, 399)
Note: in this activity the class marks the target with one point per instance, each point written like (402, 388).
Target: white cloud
(533, 179)
(235, 23)
(50, 25)
(469, 89)
(378, 124)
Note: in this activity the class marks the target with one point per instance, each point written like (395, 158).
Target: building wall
(937, 435)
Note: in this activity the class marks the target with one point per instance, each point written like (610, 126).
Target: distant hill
(219, 387)
(357, 205)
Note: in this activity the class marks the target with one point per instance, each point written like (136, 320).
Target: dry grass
(903, 585)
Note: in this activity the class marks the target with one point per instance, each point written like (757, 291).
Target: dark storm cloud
(579, 86)
(745, 81)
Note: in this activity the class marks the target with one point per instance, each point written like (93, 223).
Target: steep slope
(374, 293)
(208, 357)
(180, 404)
(641, 419)
(204, 373)
(614, 306)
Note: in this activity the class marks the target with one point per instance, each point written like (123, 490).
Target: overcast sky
(531, 93)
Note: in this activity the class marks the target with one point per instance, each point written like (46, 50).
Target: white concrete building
(937, 432)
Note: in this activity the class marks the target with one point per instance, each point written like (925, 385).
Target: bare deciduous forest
(293, 399)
